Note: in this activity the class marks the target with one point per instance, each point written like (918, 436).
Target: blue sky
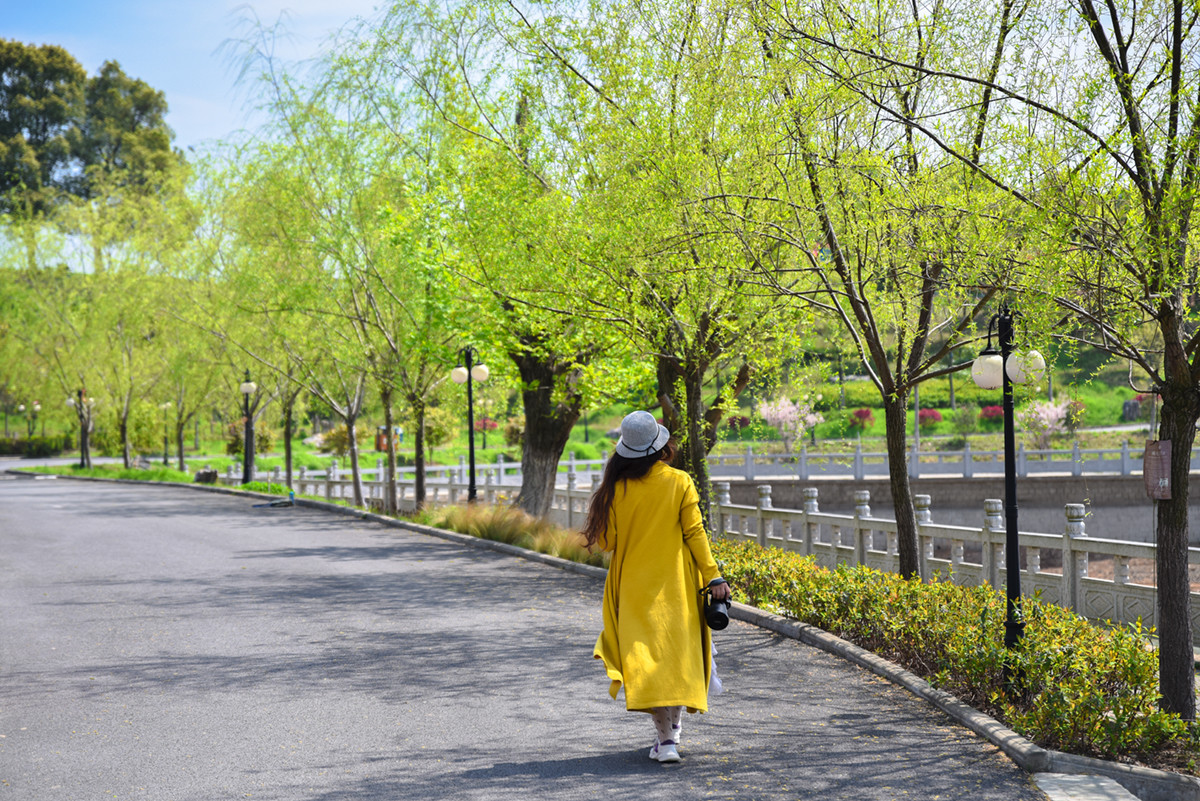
(176, 46)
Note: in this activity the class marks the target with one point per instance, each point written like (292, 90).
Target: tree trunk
(355, 471)
(85, 443)
(123, 428)
(693, 447)
(895, 413)
(418, 407)
(1180, 409)
(389, 476)
(289, 405)
(548, 426)
(180, 431)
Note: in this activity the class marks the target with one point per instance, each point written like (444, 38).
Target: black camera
(716, 613)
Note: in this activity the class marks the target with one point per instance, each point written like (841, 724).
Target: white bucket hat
(641, 435)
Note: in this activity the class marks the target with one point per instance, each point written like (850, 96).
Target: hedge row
(35, 446)
(1079, 688)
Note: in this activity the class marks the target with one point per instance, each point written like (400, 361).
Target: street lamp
(466, 375)
(248, 387)
(31, 418)
(992, 370)
(164, 406)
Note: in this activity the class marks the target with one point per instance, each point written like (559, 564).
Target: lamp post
(165, 406)
(247, 388)
(466, 375)
(31, 418)
(992, 370)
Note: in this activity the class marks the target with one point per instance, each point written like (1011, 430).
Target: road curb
(1148, 784)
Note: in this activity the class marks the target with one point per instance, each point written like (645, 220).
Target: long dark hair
(619, 468)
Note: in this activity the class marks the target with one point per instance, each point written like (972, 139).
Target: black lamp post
(992, 370)
(466, 375)
(248, 387)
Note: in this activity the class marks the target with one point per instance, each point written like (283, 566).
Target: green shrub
(35, 446)
(1081, 688)
(265, 487)
(235, 433)
(584, 451)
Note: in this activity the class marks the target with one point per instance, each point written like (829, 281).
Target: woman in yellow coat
(654, 643)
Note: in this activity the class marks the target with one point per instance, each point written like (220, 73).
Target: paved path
(159, 643)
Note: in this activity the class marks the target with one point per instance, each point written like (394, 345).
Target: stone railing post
(862, 531)
(301, 477)
(810, 528)
(572, 482)
(721, 499)
(993, 529)
(462, 470)
(1022, 462)
(921, 510)
(968, 460)
(500, 468)
(1126, 462)
(764, 503)
(749, 463)
(489, 489)
(914, 462)
(1075, 563)
(229, 472)
(858, 461)
(1076, 459)
(277, 475)
(802, 467)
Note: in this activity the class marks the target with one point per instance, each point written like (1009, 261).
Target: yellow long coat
(654, 640)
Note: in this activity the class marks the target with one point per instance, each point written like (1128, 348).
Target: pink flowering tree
(1043, 420)
(789, 418)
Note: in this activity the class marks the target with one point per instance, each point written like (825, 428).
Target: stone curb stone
(1063, 787)
(1148, 784)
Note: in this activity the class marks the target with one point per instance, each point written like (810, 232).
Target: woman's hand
(720, 592)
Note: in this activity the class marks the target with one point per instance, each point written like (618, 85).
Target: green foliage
(440, 426)
(235, 432)
(964, 420)
(337, 440)
(514, 431)
(145, 431)
(265, 487)
(584, 451)
(35, 446)
(1083, 689)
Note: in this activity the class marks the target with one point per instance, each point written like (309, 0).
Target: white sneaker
(665, 752)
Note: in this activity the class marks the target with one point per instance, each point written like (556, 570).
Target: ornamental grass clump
(512, 526)
(1077, 687)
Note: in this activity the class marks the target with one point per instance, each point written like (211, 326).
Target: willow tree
(348, 201)
(870, 227)
(642, 99)
(516, 231)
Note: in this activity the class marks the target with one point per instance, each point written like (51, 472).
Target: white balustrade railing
(857, 464)
(962, 554)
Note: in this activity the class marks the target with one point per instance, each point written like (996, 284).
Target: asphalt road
(160, 643)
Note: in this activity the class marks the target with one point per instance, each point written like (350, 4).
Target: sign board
(1156, 469)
